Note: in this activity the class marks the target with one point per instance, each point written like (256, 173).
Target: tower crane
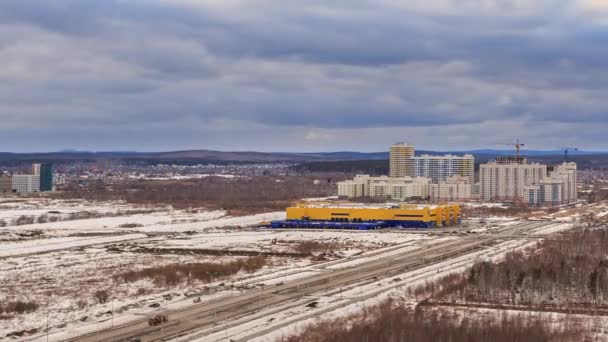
(566, 150)
(517, 145)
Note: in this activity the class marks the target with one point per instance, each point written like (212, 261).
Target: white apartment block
(351, 189)
(403, 163)
(439, 168)
(26, 183)
(454, 188)
(507, 181)
(557, 189)
(396, 188)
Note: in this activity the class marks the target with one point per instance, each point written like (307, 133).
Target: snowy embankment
(270, 326)
(171, 221)
(8, 249)
(75, 259)
(20, 211)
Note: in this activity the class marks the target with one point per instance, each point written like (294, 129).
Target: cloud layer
(301, 76)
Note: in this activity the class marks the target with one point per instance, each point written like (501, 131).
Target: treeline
(391, 321)
(598, 194)
(351, 167)
(568, 269)
(237, 195)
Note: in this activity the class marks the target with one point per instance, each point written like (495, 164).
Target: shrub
(23, 220)
(18, 307)
(82, 304)
(310, 246)
(130, 225)
(102, 296)
(172, 275)
(42, 219)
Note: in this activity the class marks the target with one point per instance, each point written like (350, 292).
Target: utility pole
(47, 322)
(112, 311)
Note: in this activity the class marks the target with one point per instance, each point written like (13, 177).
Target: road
(240, 307)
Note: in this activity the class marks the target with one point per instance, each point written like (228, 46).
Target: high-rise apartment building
(507, 181)
(438, 168)
(400, 155)
(557, 189)
(45, 173)
(529, 183)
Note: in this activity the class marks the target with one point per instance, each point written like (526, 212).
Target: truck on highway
(158, 320)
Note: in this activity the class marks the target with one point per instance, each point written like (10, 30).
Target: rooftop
(349, 205)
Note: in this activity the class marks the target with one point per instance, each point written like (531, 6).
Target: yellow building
(368, 217)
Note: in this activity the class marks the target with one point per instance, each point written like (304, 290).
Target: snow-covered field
(19, 210)
(61, 265)
(344, 302)
(35, 246)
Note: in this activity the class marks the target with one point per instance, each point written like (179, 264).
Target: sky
(302, 75)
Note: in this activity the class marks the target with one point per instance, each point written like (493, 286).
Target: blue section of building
(46, 177)
(349, 225)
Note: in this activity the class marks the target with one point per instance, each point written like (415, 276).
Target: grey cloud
(76, 71)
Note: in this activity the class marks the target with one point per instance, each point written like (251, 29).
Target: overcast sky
(302, 75)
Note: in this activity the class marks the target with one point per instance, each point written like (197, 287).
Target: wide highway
(212, 313)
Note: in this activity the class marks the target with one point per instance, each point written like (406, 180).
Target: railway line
(239, 308)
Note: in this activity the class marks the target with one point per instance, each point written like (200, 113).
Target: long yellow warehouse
(368, 217)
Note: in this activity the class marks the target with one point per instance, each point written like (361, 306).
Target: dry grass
(174, 274)
(393, 321)
(18, 307)
(310, 247)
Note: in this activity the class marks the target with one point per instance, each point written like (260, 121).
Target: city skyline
(165, 75)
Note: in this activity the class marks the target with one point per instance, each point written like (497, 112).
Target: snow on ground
(320, 199)
(185, 177)
(602, 213)
(15, 209)
(77, 258)
(485, 205)
(272, 324)
(60, 265)
(132, 305)
(283, 241)
(47, 245)
(174, 220)
(64, 283)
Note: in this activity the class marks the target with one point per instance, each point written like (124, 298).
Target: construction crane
(517, 145)
(566, 150)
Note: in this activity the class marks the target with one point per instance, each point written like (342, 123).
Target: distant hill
(209, 156)
(181, 157)
(533, 152)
